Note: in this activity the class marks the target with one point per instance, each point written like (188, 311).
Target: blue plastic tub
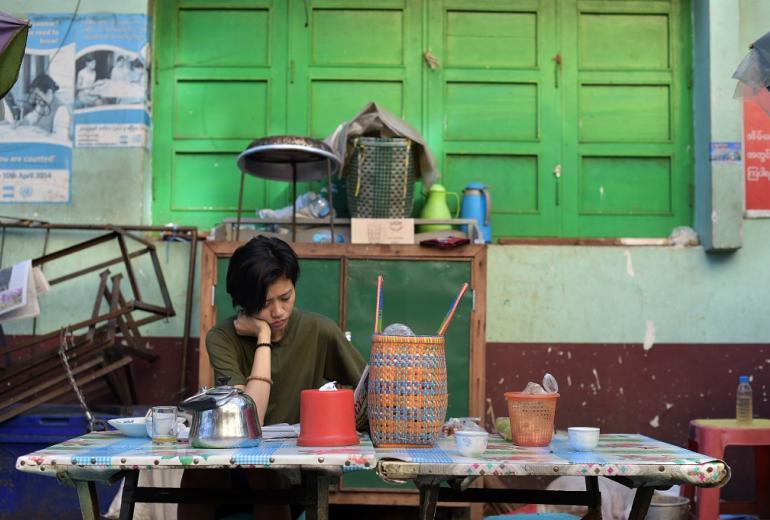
(29, 496)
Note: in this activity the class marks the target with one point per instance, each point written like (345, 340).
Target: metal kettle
(223, 417)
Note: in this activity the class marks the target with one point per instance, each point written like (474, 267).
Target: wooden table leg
(641, 504)
(89, 502)
(129, 490)
(317, 487)
(592, 489)
(428, 501)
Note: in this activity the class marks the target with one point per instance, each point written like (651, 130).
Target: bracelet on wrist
(268, 345)
(259, 378)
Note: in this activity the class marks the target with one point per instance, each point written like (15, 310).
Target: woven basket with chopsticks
(407, 393)
(407, 390)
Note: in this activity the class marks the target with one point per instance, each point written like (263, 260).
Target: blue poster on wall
(111, 80)
(36, 128)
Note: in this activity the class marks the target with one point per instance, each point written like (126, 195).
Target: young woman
(273, 351)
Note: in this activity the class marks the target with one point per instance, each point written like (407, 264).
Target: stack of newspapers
(20, 285)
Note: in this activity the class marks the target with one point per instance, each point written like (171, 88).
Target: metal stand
(288, 158)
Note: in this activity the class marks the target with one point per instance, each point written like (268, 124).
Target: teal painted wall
(630, 294)
(98, 174)
(109, 186)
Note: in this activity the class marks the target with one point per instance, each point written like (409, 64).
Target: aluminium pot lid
(272, 158)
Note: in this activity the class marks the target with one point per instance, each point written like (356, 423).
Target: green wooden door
(220, 81)
(346, 53)
(627, 123)
(493, 106)
(576, 113)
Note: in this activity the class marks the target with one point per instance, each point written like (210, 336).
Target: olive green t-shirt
(312, 349)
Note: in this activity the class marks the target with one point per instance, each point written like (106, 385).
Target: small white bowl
(583, 438)
(130, 426)
(471, 443)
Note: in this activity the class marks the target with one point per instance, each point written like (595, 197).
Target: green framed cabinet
(339, 281)
(576, 113)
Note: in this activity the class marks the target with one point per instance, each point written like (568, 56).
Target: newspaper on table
(20, 286)
(360, 394)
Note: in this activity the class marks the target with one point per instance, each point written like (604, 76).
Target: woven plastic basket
(407, 393)
(407, 390)
(532, 417)
(380, 175)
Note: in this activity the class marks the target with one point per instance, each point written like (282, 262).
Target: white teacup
(471, 443)
(583, 438)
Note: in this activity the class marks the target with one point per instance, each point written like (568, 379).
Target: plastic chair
(711, 437)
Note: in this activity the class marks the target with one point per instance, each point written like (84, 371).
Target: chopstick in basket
(451, 313)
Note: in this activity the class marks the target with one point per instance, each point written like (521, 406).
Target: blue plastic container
(477, 205)
(29, 496)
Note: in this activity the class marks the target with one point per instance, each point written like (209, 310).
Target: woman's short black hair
(254, 267)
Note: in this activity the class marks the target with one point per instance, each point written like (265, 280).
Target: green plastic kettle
(436, 207)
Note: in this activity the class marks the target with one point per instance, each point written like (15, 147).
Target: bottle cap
(743, 379)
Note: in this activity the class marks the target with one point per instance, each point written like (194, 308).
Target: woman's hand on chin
(251, 326)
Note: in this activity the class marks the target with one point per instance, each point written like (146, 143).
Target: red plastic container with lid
(326, 418)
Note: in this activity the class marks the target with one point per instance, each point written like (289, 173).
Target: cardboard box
(382, 230)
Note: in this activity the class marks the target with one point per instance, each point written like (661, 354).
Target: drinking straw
(378, 309)
(451, 313)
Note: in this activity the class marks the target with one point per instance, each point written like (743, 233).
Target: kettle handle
(488, 200)
(198, 405)
(457, 202)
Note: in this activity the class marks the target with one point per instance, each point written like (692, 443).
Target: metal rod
(293, 202)
(188, 312)
(98, 303)
(240, 208)
(96, 227)
(161, 282)
(331, 199)
(129, 268)
(74, 249)
(96, 267)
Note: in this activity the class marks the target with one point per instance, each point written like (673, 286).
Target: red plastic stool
(711, 437)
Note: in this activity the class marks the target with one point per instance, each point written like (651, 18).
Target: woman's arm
(258, 381)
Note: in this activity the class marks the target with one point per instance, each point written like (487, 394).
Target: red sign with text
(756, 138)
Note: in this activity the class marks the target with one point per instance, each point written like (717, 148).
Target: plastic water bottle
(308, 204)
(743, 404)
(317, 205)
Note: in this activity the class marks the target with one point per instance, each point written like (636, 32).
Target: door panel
(493, 106)
(626, 120)
(220, 83)
(352, 52)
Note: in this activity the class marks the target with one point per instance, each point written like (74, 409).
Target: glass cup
(164, 428)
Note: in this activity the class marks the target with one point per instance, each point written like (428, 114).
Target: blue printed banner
(36, 122)
(83, 82)
(111, 98)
